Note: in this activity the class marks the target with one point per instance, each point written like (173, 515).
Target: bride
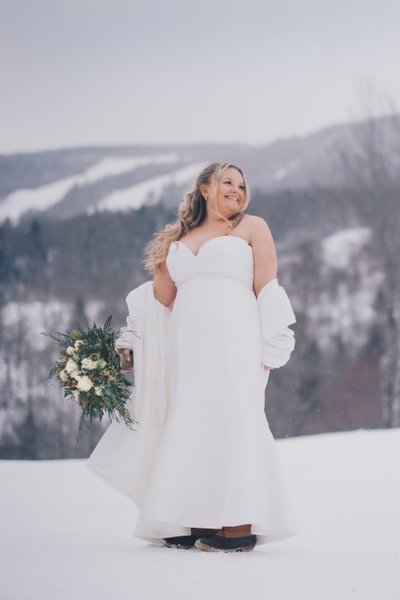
(215, 480)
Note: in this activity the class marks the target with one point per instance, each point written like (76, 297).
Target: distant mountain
(74, 181)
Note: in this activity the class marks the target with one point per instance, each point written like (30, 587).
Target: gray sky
(79, 72)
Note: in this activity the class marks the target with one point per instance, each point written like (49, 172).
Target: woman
(216, 481)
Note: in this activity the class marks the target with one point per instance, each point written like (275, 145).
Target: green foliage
(88, 369)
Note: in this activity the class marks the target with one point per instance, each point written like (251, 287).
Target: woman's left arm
(265, 259)
(275, 309)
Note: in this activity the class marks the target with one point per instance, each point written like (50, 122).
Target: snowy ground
(67, 535)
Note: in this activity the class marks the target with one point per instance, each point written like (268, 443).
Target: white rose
(70, 350)
(85, 384)
(63, 376)
(89, 364)
(71, 366)
(78, 345)
(98, 391)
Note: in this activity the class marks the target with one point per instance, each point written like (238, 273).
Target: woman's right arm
(163, 286)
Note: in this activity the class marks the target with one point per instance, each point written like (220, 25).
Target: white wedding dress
(216, 463)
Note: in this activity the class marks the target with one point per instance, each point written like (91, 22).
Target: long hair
(192, 213)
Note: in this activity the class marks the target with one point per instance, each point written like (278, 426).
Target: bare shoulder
(264, 252)
(257, 228)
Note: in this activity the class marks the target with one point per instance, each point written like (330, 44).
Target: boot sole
(207, 548)
(179, 546)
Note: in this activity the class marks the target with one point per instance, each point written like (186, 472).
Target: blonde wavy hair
(192, 213)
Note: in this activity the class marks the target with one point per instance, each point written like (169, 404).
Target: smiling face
(229, 194)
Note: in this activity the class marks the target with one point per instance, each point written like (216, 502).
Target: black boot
(185, 542)
(218, 543)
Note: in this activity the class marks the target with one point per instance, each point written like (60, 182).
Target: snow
(346, 315)
(116, 166)
(343, 306)
(36, 316)
(280, 173)
(339, 248)
(67, 535)
(136, 195)
(46, 196)
(283, 172)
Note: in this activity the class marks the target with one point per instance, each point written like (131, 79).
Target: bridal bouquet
(88, 369)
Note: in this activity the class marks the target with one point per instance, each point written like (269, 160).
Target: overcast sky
(82, 72)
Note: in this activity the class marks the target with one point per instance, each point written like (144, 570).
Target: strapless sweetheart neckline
(217, 237)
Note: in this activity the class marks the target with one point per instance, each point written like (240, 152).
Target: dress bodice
(224, 256)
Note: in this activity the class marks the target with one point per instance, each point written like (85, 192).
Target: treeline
(98, 256)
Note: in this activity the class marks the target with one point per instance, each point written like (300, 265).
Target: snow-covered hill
(66, 535)
(83, 180)
(51, 196)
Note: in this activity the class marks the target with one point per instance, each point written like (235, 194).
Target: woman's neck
(215, 222)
